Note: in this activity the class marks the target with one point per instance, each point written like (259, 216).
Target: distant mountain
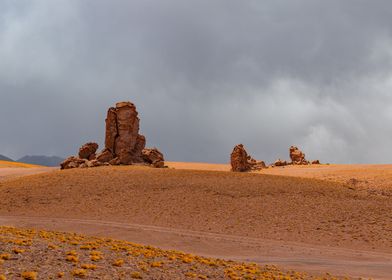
(5, 158)
(42, 160)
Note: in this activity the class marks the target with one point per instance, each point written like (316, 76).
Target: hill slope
(254, 205)
(42, 160)
(2, 157)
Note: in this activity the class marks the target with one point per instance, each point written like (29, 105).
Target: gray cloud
(204, 75)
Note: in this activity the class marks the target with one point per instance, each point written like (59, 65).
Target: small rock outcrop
(239, 159)
(280, 162)
(297, 156)
(123, 143)
(154, 157)
(241, 162)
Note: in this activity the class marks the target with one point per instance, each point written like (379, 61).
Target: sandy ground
(12, 172)
(370, 176)
(198, 166)
(299, 223)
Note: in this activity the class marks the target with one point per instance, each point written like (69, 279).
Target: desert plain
(313, 220)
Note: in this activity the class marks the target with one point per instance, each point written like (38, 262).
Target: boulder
(88, 150)
(72, 162)
(94, 163)
(105, 156)
(316, 161)
(153, 157)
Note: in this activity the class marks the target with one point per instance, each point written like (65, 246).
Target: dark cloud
(204, 75)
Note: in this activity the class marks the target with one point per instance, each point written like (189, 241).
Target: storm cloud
(204, 74)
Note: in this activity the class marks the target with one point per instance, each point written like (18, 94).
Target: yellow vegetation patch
(136, 275)
(79, 273)
(146, 262)
(18, 251)
(29, 275)
(88, 266)
(118, 262)
(72, 259)
(5, 256)
(4, 163)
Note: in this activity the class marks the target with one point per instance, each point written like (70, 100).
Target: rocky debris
(255, 164)
(154, 157)
(297, 156)
(72, 162)
(123, 143)
(241, 162)
(280, 162)
(87, 151)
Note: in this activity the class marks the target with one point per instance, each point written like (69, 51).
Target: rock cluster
(297, 158)
(123, 143)
(242, 162)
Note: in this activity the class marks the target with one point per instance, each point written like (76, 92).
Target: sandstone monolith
(123, 143)
(241, 162)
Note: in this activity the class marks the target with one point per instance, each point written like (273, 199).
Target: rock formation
(242, 162)
(297, 156)
(123, 143)
(122, 136)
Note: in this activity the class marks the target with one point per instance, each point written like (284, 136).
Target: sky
(205, 75)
